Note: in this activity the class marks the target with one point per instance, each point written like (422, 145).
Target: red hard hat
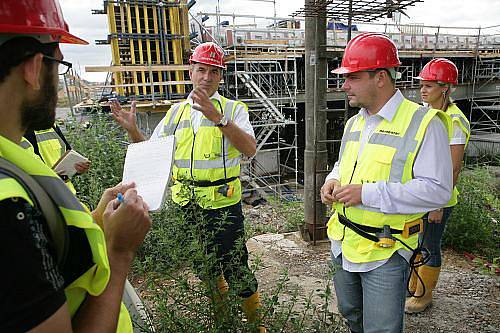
(368, 51)
(42, 19)
(439, 69)
(209, 54)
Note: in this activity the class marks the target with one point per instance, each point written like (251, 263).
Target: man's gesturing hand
(204, 105)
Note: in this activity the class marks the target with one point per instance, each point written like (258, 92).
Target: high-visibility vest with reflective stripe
(94, 281)
(388, 156)
(198, 157)
(51, 147)
(457, 117)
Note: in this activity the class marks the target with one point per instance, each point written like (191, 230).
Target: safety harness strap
(55, 222)
(206, 183)
(364, 230)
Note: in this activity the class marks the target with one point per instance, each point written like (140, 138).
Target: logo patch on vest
(389, 132)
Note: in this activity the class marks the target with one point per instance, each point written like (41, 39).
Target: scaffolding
(262, 72)
(267, 65)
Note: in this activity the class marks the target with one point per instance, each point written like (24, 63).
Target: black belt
(364, 230)
(207, 183)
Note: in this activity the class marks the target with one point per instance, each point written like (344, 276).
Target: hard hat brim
(72, 39)
(206, 63)
(341, 70)
(58, 35)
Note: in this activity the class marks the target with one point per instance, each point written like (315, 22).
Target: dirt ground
(465, 300)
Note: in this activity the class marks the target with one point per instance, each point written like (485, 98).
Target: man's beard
(41, 113)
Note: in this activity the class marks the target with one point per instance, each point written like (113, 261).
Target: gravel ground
(465, 300)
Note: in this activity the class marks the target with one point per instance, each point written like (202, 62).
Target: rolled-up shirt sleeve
(431, 186)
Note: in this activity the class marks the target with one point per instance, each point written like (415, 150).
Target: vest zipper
(350, 180)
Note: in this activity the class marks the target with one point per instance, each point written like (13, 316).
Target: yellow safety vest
(199, 157)
(94, 281)
(388, 156)
(457, 117)
(51, 147)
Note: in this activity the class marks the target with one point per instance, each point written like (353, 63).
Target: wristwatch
(222, 122)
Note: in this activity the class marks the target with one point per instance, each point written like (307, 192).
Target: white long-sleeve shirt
(429, 189)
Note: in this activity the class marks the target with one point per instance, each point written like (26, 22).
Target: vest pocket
(216, 144)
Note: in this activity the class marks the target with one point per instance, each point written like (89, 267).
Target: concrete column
(315, 154)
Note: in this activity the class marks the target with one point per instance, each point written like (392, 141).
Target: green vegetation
(474, 223)
(104, 143)
(167, 267)
(174, 256)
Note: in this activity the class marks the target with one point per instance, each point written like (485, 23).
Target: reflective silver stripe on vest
(25, 144)
(41, 137)
(59, 192)
(403, 145)
(168, 128)
(171, 128)
(230, 104)
(207, 164)
(206, 123)
(462, 120)
(348, 136)
(2, 176)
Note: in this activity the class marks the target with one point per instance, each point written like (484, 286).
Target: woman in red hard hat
(437, 79)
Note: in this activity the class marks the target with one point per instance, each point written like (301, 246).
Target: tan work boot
(219, 295)
(251, 307)
(429, 276)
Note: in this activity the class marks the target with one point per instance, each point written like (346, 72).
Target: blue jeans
(433, 235)
(373, 301)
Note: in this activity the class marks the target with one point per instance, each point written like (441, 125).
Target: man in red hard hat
(392, 169)
(212, 132)
(64, 268)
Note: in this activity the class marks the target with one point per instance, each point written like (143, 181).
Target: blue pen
(120, 198)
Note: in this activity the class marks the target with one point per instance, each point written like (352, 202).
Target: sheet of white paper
(149, 165)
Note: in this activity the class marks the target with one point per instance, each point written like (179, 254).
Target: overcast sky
(455, 13)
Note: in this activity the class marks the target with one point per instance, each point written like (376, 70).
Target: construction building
(282, 71)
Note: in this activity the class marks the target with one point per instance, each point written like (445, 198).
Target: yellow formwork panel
(123, 29)
(114, 47)
(139, 42)
(148, 44)
(132, 48)
(175, 29)
(167, 46)
(143, 18)
(157, 46)
(184, 18)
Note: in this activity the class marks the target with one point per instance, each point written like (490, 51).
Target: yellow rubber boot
(222, 285)
(430, 276)
(218, 297)
(251, 307)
